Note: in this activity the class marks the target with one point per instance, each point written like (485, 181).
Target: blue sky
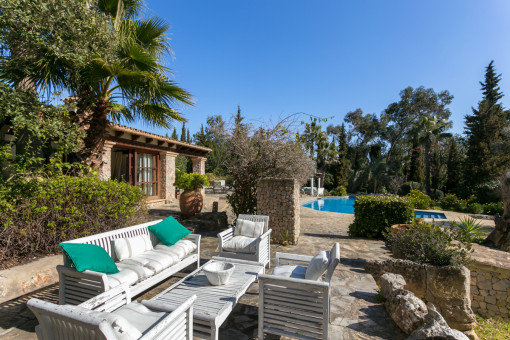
(326, 58)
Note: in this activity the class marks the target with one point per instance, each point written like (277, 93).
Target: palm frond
(155, 114)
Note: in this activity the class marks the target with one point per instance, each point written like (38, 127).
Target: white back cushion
(128, 247)
(317, 266)
(249, 228)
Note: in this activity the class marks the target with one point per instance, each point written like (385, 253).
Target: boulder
(406, 310)
(436, 328)
(390, 282)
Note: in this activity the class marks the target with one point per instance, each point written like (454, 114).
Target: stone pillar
(105, 171)
(199, 168)
(167, 175)
(198, 165)
(278, 198)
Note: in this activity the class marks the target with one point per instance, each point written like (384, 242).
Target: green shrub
(55, 210)
(339, 191)
(408, 186)
(375, 214)
(191, 181)
(419, 199)
(493, 208)
(475, 208)
(450, 202)
(437, 195)
(427, 243)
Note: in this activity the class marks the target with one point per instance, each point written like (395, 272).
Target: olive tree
(257, 152)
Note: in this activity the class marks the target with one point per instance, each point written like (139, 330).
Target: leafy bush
(475, 208)
(419, 199)
(191, 181)
(47, 212)
(339, 191)
(437, 195)
(452, 202)
(408, 186)
(375, 214)
(469, 230)
(428, 244)
(493, 208)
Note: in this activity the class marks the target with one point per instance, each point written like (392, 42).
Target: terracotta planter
(191, 202)
(397, 227)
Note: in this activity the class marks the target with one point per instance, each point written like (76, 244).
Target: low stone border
(24, 279)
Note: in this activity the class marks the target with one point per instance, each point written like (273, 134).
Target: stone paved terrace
(355, 313)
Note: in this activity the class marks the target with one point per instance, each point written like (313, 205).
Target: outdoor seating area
(96, 304)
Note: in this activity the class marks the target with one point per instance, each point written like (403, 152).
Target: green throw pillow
(89, 257)
(169, 231)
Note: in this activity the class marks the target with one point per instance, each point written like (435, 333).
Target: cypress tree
(183, 132)
(343, 170)
(188, 137)
(484, 131)
(454, 167)
(174, 134)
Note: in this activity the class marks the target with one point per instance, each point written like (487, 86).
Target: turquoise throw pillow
(169, 231)
(89, 257)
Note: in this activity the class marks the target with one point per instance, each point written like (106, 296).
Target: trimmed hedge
(55, 210)
(375, 214)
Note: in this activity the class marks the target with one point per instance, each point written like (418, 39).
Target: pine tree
(183, 132)
(238, 119)
(343, 170)
(484, 130)
(174, 134)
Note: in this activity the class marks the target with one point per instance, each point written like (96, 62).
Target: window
(146, 170)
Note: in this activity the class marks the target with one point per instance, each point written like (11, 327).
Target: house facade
(147, 160)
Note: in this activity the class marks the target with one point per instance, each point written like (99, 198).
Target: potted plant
(191, 200)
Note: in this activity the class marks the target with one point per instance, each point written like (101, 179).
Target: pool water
(345, 205)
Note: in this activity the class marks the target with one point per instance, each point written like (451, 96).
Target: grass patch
(493, 329)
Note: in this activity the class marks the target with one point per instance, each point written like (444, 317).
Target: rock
(406, 310)
(436, 328)
(390, 282)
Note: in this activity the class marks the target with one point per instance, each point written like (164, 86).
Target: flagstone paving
(355, 312)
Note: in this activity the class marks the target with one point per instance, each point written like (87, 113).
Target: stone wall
(490, 282)
(167, 175)
(278, 198)
(105, 172)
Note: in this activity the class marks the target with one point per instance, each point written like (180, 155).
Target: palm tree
(126, 83)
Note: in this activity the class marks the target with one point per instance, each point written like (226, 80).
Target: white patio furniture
(112, 315)
(235, 246)
(291, 305)
(76, 287)
(214, 303)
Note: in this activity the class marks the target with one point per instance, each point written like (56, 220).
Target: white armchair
(293, 306)
(247, 248)
(112, 315)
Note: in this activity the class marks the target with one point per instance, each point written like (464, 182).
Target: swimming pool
(345, 205)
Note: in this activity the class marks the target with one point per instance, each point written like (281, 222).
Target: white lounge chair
(247, 248)
(289, 304)
(112, 315)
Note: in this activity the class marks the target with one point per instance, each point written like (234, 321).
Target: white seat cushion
(317, 266)
(127, 276)
(153, 260)
(181, 249)
(141, 272)
(122, 328)
(132, 246)
(248, 228)
(296, 272)
(241, 244)
(139, 316)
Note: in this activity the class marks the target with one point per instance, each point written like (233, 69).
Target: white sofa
(77, 287)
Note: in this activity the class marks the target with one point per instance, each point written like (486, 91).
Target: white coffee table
(214, 303)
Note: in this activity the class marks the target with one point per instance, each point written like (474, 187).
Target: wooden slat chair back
(296, 308)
